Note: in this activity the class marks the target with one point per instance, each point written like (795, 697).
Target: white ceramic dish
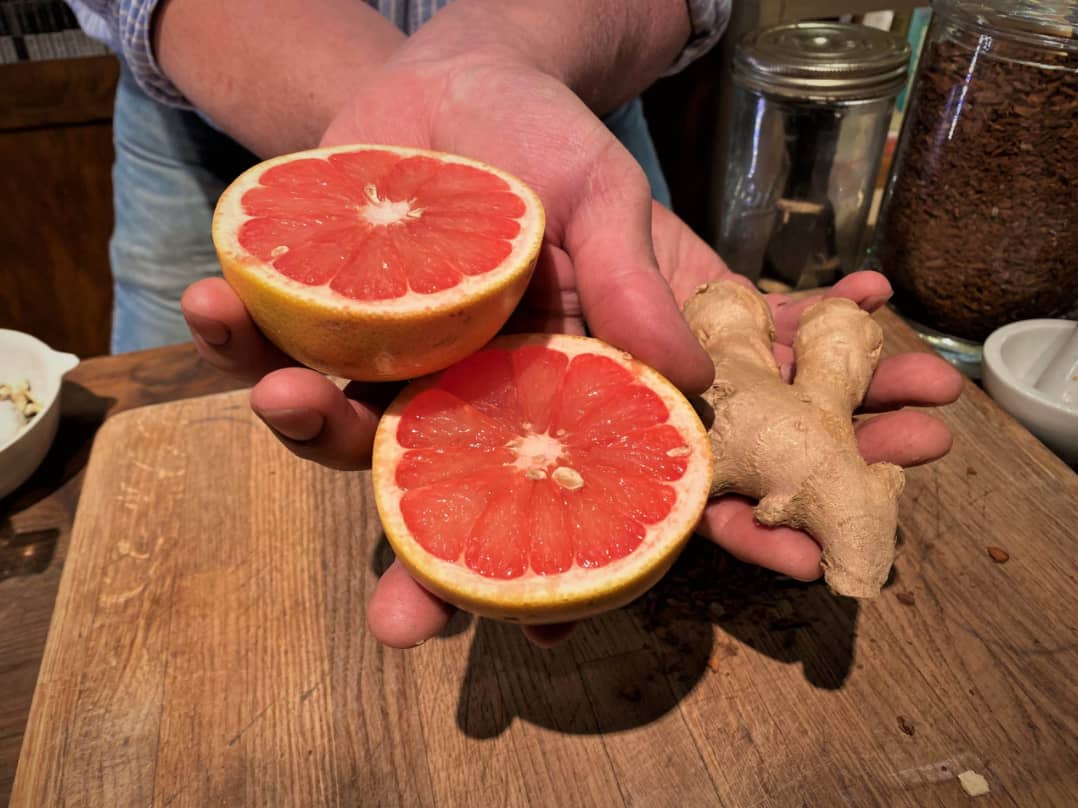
(26, 357)
(1016, 357)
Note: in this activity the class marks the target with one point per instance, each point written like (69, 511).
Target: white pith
(545, 593)
(229, 216)
(384, 212)
(536, 453)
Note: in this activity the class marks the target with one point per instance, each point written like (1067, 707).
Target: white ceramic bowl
(26, 357)
(1015, 356)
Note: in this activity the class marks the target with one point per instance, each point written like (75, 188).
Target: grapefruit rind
(577, 593)
(381, 340)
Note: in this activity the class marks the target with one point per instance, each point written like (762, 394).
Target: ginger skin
(792, 446)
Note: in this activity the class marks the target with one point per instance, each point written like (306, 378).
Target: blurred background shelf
(56, 92)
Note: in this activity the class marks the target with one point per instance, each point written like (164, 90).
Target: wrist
(605, 51)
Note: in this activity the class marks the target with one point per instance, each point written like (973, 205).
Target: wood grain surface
(55, 160)
(209, 648)
(57, 92)
(36, 520)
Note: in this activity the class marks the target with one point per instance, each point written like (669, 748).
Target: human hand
(335, 429)
(596, 265)
(904, 437)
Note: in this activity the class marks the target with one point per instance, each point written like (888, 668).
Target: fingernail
(416, 645)
(873, 303)
(211, 331)
(296, 424)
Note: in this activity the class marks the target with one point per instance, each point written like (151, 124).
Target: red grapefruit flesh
(543, 479)
(378, 263)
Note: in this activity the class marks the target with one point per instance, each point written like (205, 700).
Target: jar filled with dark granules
(979, 225)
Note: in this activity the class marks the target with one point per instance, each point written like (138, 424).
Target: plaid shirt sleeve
(125, 26)
(132, 26)
(709, 19)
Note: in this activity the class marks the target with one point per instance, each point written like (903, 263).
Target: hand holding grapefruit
(543, 479)
(378, 263)
(395, 217)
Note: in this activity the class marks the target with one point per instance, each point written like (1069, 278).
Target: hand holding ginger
(792, 446)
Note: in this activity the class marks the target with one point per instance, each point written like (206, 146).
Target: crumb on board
(998, 554)
(973, 783)
(905, 725)
(905, 598)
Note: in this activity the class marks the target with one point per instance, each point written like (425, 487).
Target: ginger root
(792, 446)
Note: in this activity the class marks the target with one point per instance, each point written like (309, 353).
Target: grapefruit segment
(485, 380)
(316, 182)
(640, 498)
(378, 263)
(363, 167)
(442, 514)
(551, 537)
(538, 372)
(494, 548)
(659, 453)
(569, 475)
(438, 419)
(422, 467)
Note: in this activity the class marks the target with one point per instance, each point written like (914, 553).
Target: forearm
(606, 51)
(271, 73)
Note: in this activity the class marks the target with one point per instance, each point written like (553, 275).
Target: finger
(550, 304)
(729, 522)
(225, 334)
(912, 379)
(869, 290)
(315, 419)
(686, 260)
(550, 635)
(906, 438)
(786, 314)
(784, 355)
(401, 613)
(624, 298)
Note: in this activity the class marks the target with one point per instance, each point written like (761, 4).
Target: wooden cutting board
(209, 648)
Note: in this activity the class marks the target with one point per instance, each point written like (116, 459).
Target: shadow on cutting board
(630, 667)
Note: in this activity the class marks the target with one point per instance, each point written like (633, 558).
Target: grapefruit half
(378, 263)
(546, 478)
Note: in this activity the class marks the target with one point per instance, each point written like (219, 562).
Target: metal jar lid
(822, 61)
(1047, 24)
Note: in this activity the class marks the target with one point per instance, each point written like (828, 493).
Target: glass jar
(812, 106)
(979, 223)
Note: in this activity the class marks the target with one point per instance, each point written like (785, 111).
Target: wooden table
(963, 663)
(35, 522)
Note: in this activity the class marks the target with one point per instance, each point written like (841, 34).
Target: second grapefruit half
(378, 263)
(546, 478)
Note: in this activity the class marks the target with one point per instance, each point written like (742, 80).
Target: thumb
(626, 301)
